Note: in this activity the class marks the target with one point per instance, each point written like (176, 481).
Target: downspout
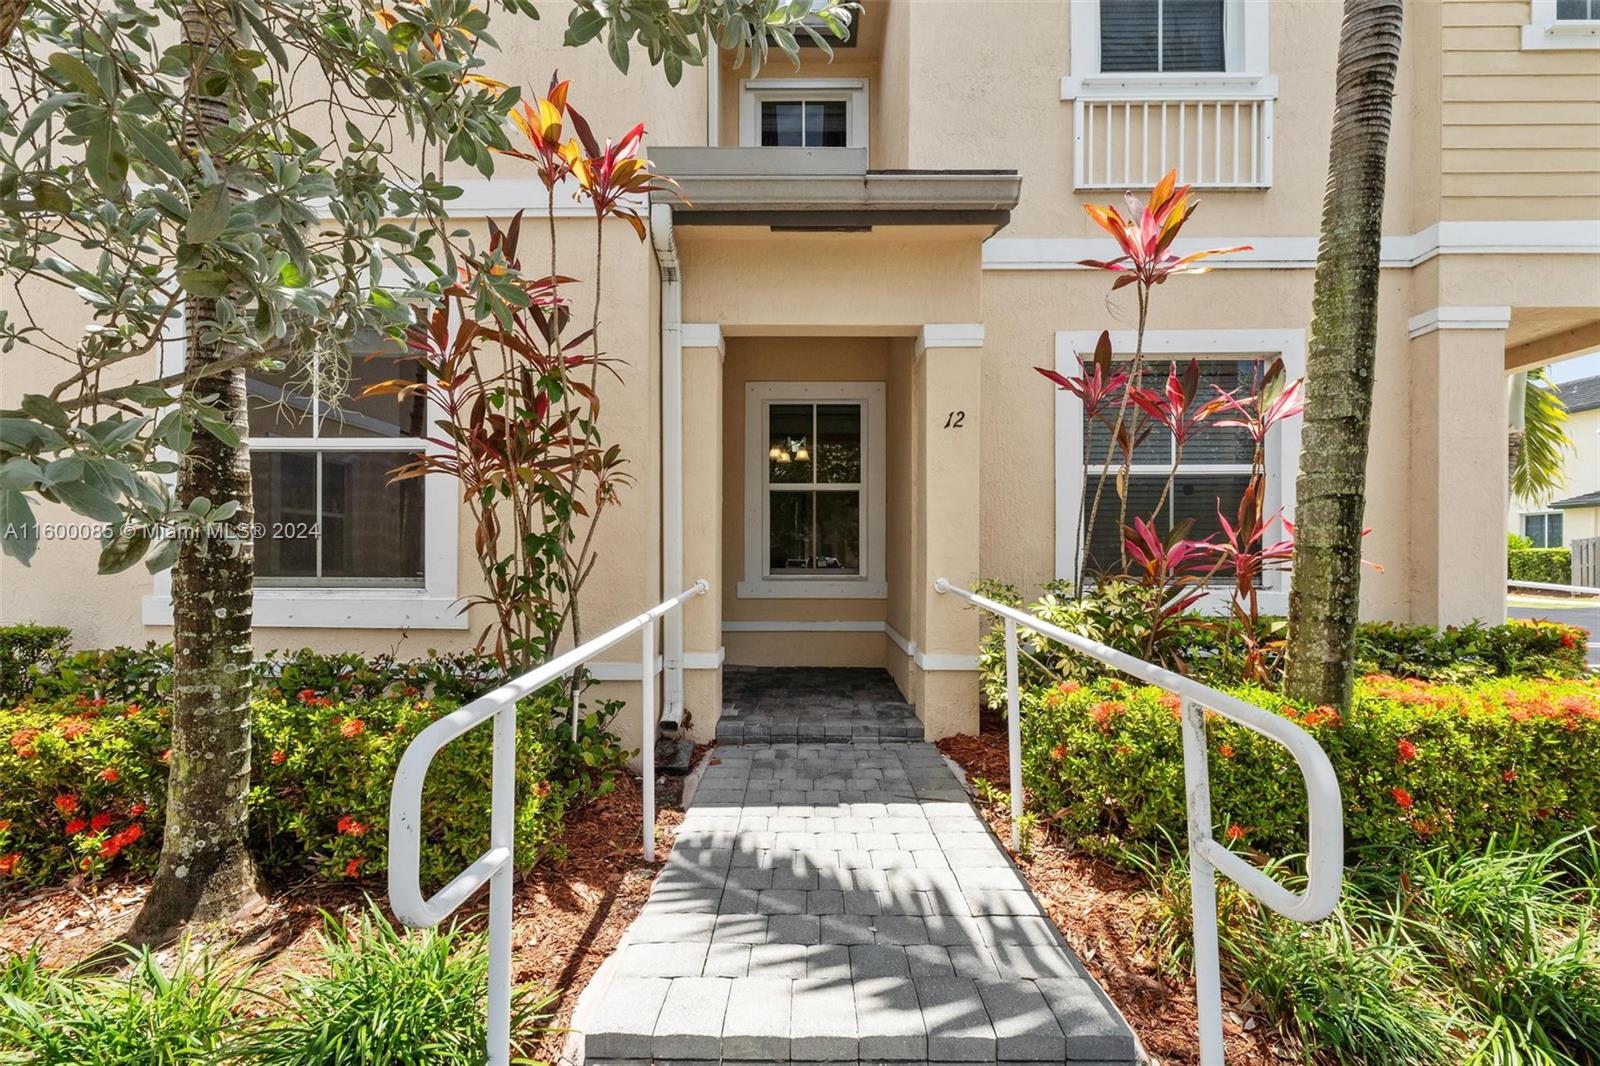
(666, 250)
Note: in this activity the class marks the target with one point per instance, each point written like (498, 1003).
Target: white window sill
(336, 609)
(808, 589)
(1136, 86)
(1566, 35)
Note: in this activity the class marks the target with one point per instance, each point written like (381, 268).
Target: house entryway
(763, 704)
(842, 902)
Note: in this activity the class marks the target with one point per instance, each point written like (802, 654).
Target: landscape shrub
(83, 783)
(1418, 763)
(391, 997)
(25, 646)
(1551, 565)
(1212, 648)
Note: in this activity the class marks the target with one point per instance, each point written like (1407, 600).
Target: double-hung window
(814, 484)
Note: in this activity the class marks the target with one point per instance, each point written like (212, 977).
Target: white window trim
(1283, 443)
(754, 91)
(436, 605)
(1545, 32)
(1246, 55)
(872, 582)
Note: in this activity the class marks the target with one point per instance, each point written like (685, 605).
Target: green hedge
(1550, 565)
(1448, 765)
(83, 784)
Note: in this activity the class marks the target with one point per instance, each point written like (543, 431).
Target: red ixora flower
(1509, 776)
(66, 803)
(1058, 752)
(1405, 751)
(109, 775)
(74, 727)
(74, 827)
(348, 826)
(1402, 797)
(353, 867)
(1235, 833)
(136, 810)
(278, 757)
(351, 728)
(8, 863)
(1225, 750)
(100, 822)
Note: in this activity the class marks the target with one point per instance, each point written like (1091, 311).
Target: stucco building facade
(829, 398)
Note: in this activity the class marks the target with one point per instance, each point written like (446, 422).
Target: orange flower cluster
(351, 728)
(1105, 714)
(8, 863)
(348, 826)
(309, 697)
(1405, 751)
(22, 743)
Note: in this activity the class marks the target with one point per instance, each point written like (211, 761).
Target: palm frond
(1540, 468)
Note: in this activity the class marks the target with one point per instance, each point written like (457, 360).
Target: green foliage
(83, 778)
(182, 1015)
(1540, 467)
(1417, 764)
(1214, 649)
(1517, 542)
(391, 997)
(1551, 565)
(23, 647)
(325, 770)
(1518, 648)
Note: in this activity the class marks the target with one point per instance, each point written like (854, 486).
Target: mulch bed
(1098, 908)
(569, 913)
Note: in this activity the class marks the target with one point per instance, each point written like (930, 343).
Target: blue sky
(1584, 366)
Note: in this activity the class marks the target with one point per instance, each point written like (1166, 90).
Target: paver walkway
(843, 902)
(778, 705)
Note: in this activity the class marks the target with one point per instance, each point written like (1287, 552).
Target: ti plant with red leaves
(518, 383)
(1145, 236)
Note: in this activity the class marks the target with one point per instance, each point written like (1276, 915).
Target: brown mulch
(1099, 909)
(569, 912)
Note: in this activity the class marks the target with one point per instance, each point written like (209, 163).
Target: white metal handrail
(494, 866)
(1325, 843)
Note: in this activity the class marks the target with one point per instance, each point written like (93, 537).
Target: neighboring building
(1573, 512)
(876, 253)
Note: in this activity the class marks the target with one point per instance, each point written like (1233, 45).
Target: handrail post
(502, 826)
(647, 743)
(1202, 884)
(1014, 733)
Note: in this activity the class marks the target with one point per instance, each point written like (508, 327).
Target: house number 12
(955, 420)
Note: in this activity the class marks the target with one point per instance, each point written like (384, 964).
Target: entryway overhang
(827, 189)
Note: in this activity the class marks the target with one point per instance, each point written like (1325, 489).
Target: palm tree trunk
(1331, 493)
(206, 873)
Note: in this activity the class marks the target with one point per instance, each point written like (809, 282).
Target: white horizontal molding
(703, 335)
(704, 660)
(1158, 87)
(1577, 237)
(619, 671)
(1458, 318)
(802, 85)
(333, 609)
(949, 335)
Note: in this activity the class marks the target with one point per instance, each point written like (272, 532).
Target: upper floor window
(803, 113)
(804, 123)
(1162, 36)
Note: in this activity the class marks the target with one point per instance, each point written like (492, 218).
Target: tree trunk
(206, 873)
(1331, 493)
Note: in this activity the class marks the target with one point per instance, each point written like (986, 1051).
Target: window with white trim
(814, 490)
(1562, 25)
(328, 511)
(1543, 528)
(1216, 462)
(803, 113)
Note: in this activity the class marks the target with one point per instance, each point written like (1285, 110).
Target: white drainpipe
(666, 250)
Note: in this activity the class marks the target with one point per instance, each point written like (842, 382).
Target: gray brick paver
(842, 902)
